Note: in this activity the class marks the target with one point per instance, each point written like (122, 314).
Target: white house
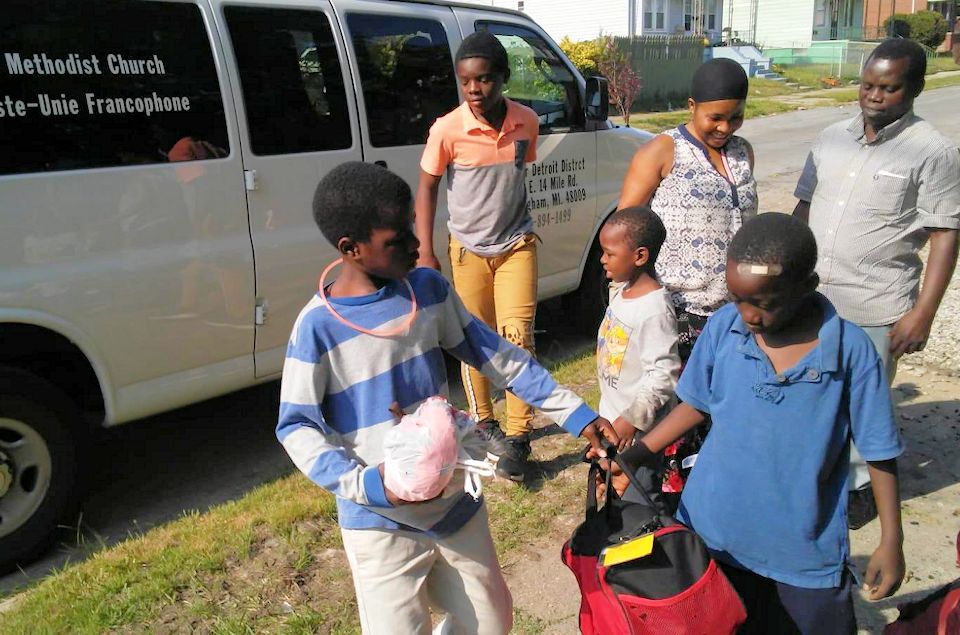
(586, 19)
(794, 23)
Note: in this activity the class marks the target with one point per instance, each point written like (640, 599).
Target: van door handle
(381, 163)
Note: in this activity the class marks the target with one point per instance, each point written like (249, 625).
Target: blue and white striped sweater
(338, 385)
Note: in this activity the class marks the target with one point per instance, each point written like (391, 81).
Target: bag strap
(596, 469)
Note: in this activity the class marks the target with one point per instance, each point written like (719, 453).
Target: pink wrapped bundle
(420, 453)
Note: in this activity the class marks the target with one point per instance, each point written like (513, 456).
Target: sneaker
(489, 430)
(861, 507)
(515, 462)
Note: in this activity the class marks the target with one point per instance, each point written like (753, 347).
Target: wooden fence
(665, 64)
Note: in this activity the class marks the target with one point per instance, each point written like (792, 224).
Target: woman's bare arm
(650, 165)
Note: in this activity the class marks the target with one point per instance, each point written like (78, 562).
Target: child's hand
(430, 261)
(393, 499)
(625, 431)
(592, 432)
(884, 571)
(618, 479)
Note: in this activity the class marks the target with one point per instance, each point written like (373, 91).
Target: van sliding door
(296, 125)
(403, 60)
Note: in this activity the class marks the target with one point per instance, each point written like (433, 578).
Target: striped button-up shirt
(871, 204)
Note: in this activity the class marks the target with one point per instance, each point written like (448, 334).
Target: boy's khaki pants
(399, 575)
(502, 292)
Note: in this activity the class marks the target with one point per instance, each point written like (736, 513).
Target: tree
(622, 80)
(926, 27)
(585, 55)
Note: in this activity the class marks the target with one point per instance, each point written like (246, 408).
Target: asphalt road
(152, 471)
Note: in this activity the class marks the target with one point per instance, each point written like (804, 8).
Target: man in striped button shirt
(874, 189)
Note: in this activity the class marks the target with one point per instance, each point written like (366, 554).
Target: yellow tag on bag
(633, 549)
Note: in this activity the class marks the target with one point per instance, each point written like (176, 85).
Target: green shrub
(585, 55)
(926, 27)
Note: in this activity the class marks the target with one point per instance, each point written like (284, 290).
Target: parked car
(156, 237)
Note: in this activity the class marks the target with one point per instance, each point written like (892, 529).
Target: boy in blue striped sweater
(372, 340)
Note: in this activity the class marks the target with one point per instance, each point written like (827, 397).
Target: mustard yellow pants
(502, 292)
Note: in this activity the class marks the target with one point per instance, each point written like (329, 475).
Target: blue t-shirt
(769, 489)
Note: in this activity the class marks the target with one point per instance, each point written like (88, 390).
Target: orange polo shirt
(486, 175)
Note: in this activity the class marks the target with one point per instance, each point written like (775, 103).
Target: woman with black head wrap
(698, 178)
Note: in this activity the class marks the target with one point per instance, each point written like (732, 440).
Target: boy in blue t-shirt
(788, 385)
(366, 344)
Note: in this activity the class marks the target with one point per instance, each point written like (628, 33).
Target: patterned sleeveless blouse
(701, 211)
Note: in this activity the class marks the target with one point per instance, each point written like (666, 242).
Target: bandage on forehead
(746, 268)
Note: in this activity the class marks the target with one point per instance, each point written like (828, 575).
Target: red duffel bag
(641, 572)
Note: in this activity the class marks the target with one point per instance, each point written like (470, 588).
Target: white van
(158, 164)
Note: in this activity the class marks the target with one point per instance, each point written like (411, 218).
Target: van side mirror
(597, 99)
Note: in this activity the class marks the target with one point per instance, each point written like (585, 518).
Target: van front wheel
(38, 465)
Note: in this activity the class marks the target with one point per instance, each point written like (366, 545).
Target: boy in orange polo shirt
(482, 146)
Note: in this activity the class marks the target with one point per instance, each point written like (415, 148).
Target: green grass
(660, 121)
(655, 121)
(190, 563)
(810, 74)
(768, 88)
(764, 107)
(525, 624)
(942, 82)
(941, 63)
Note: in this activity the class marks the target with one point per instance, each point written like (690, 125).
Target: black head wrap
(719, 78)
(484, 44)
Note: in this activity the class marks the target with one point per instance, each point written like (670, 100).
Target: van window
(539, 78)
(291, 79)
(406, 69)
(88, 85)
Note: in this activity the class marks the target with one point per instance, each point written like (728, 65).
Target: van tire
(38, 439)
(589, 302)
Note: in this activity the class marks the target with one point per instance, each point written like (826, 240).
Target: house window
(820, 13)
(712, 15)
(660, 14)
(647, 20)
(688, 15)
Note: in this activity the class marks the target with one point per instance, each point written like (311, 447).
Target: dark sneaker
(861, 507)
(489, 430)
(515, 462)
